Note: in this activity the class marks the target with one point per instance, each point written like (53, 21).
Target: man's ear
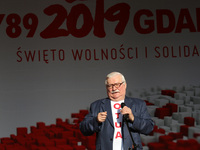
(125, 85)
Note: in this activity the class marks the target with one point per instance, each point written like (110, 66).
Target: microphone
(125, 116)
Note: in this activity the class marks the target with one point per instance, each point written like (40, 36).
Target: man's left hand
(127, 110)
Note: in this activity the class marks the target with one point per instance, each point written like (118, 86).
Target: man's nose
(114, 88)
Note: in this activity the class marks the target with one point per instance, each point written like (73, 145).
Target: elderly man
(106, 118)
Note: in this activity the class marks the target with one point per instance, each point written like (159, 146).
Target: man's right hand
(101, 117)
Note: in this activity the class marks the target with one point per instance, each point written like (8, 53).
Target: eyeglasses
(116, 85)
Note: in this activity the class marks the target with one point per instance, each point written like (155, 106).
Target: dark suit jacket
(143, 124)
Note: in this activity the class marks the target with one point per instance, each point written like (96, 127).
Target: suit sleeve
(142, 120)
(90, 124)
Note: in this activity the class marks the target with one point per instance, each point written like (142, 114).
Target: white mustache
(116, 91)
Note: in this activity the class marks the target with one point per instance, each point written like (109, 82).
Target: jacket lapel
(106, 106)
(129, 104)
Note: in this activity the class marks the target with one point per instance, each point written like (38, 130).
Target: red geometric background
(168, 134)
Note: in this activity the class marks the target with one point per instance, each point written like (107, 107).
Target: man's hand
(127, 110)
(101, 117)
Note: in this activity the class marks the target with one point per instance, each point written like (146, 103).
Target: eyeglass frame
(110, 86)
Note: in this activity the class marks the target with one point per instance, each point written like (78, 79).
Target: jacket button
(111, 139)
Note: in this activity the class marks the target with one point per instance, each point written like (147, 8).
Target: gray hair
(112, 74)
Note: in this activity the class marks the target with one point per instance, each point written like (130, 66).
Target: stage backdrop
(55, 54)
